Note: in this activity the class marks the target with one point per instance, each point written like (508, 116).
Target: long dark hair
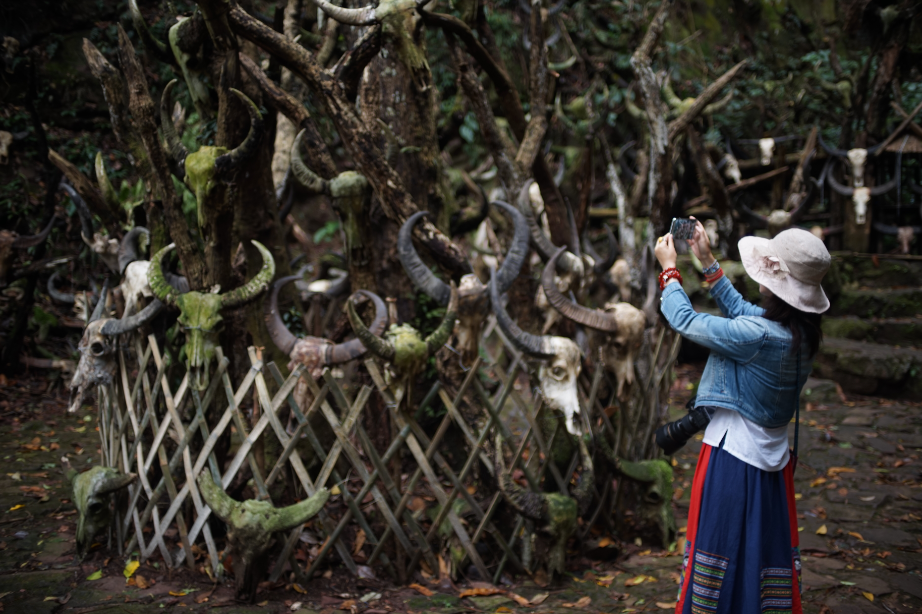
(805, 327)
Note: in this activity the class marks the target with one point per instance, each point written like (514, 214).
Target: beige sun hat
(791, 265)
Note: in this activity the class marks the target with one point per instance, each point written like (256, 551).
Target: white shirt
(761, 447)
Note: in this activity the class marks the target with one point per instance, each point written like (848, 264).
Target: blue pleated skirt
(741, 550)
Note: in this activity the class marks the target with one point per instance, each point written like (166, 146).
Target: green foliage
(42, 321)
(327, 232)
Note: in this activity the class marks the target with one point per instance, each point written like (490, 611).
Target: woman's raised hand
(665, 252)
(701, 245)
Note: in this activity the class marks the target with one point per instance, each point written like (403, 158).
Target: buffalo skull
(93, 491)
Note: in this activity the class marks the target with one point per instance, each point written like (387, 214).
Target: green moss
(200, 175)
(411, 350)
(847, 328)
(878, 303)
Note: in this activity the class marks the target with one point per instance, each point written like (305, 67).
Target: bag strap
(797, 405)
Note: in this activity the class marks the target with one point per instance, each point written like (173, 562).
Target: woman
(741, 552)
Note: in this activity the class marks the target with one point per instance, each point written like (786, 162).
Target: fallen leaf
(605, 580)
(480, 592)
(822, 530)
(582, 603)
(639, 580)
(16, 477)
(335, 490)
(605, 542)
(539, 599)
(16, 507)
(522, 601)
(422, 590)
(869, 498)
(835, 471)
(346, 605)
(503, 610)
(296, 606)
(298, 588)
(55, 598)
(369, 597)
(856, 535)
(663, 605)
(359, 542)
(868, 596)
(130, 568)
(140, 582)
(817, 482)
(96, 575)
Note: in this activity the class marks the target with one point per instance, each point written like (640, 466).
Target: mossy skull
(200, 313)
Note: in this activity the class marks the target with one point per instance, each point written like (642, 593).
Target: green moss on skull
(411, 352)
(200, 175)
(349, 191)
(561, 513)
(200, 316)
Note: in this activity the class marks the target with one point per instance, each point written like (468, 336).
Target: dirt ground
(859, 503)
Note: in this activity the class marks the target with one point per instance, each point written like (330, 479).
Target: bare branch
(359, 141)
(319, 157)
(720, 197)
(703, 100)
(90, 194)
(537, 126)
(350, 67)
(797, 182)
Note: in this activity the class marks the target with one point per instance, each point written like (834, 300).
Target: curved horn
(158, 48)
(218, 500)
(592, 318)
(416, 269)
(556, 8)
(887, 229)
(287, 518)
(534, 345)
(761, 221)
(254, 287)
(83, 212)
(873, 150)
(61, 297)
(128, 249)
(308, 178)
(600, 265)
(33, 240)
(344, 352)
(440, 335)
(838, 187)
(365, 16)
(132, 322)
(832, 151)
(539, 241)
(158, 284)
(553, 38)
(281, 336)
(247, 149)
(372, 342)
(176, 149)
(115, 482)
(101, 303)
(105, 186)
(885, 187)
(518, 249)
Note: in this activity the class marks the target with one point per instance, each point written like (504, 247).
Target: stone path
(860, 508)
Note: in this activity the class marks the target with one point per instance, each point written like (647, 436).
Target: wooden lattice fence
(160, 433)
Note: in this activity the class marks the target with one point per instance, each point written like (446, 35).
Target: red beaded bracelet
(711, 279)
(665, 276)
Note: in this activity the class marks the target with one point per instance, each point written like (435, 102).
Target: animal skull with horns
(251, 527)
(316, 352)
(93, 492)
(767, 146)
(862, 196)
(200, 313)
(202, 169)
(621, 325)
(473, 301)
(97, 347)
(402, 346)
(856, 159)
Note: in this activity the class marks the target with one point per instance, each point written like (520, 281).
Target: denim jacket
(752, 367)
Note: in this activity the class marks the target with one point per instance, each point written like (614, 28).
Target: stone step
(852, 270)
(877, 303)
(905, 332)
(871, 368)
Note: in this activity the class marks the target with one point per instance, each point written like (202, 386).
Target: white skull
(856, 159)
(817, 231)
(778, 220)
(620, 275)
(905, 236)
(620, 348)
(860, 199)
(557, 380)
(732, 169)
(135, 284)
(710, 227)
(106, 248)
(766, 149)
(6, 139)
(473, 307)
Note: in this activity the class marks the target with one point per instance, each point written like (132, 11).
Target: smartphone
(682, 228)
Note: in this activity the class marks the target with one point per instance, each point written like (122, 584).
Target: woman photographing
(741, 552)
